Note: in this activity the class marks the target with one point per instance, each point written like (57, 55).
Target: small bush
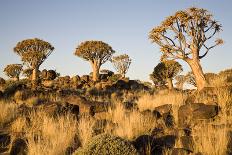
(107, 145)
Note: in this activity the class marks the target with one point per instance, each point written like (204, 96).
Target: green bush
(107, 145)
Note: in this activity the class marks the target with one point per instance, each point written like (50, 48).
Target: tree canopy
(94, 51)
(13, 70)
(165, 71)
(33, 52)
(121, 63)
(184, 31)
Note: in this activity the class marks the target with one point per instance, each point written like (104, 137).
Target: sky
(123, 24)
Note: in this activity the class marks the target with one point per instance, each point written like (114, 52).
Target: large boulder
(84, 105)
(190, 113)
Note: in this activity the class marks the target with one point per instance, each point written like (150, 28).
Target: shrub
(107, 145)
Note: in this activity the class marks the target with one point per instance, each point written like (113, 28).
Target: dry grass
(130, 124)
(210, 139)
(176, 99)
(85, 129)
(224, 97)
(148, 101)
(47, 135)
(8, 111)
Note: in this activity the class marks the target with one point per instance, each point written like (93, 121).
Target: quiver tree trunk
(198, 73)
(34, 76)
(170, 84)
(96, 69)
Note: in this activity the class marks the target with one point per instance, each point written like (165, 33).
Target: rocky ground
(177, 123)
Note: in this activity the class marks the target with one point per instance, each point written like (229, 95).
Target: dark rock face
(146, 144)
(4, 142)
(19, 147)
(187, 143)
(196, 111)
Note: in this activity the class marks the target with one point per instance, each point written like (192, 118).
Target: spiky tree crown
(33, 52)
(13, 70)
(180, 33)
(94, 51)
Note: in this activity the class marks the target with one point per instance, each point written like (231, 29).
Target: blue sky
(124, 24)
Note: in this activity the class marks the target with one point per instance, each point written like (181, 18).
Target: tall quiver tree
(33, 53)
(13, 71)
(165, 72)
(121, 63)
(185, 36)
(96, 52)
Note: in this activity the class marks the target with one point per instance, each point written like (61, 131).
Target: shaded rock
(84, 105)
(169, 120)
(19, 147)
(4, 139)
(167, 141)
(196, 111)
(179, 151)
(187, 143)
(145, 144)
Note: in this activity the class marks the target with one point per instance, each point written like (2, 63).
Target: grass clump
(107, 145)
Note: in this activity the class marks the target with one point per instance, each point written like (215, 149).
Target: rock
(163, 109)
(84, 105)
(144, 144)
(19, 147)
(168, 120)
(167, 141)
(187, 143)
(74, 109)
(4, 142)
(190, 113)
(178, 151)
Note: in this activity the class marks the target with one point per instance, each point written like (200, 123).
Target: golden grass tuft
(8, 112)
(85, 129)
(47, 135)
(210, 139)
(130, 124)
(148, 101)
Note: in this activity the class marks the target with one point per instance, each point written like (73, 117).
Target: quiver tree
(165, 72)
(13, 71)
(185, 36)
(96, 52)
(121, 63)
(33, 53)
